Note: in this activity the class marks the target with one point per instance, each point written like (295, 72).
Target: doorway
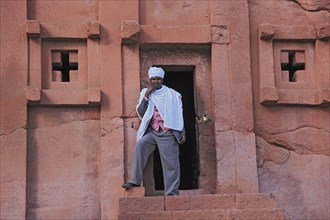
(183, 82)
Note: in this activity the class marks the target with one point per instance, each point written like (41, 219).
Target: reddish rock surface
(255, 76)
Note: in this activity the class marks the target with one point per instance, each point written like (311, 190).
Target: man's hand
(182, 137)
(150, 89)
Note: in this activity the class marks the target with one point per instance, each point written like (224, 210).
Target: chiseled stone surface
(215, 206)
(314, 5)
(292, 140)
(301, 185)
(62, 179)
(67, 157)
(13, 175)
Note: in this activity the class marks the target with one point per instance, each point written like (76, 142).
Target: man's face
(156, 82)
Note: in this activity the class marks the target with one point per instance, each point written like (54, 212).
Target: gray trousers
(169, 154)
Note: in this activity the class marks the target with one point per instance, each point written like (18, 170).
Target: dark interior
(183, 82)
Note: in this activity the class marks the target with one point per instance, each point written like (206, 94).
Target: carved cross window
(292, 61)
(64, 62)
(294, 64)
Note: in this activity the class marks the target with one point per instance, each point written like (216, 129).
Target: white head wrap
(156, 71)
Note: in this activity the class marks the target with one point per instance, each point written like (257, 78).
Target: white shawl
(169, 104)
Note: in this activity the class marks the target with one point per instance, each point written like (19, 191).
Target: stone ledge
(323, 32)
(175, 34)
(198, 202)
(159, 215)
(212, 201)
(33, 93)
(32, 28)
(72, 97)
(266, 32)
(129, 32)
(134, 192)
(94, 95)
(295, 32)
(176, 203)
(219, 214)
(93, 30)
(137, 204)
(262, 214)
(243, 201)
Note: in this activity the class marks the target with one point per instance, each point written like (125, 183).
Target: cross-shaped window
(65, 65)
(292, 63)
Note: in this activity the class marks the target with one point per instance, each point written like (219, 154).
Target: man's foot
(129, 185)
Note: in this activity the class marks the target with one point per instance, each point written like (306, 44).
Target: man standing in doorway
(162, 126)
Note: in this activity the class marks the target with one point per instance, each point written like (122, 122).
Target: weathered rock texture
(228, 206)
(71, 72)
(292, 140)
(62, 178)
(314, 5)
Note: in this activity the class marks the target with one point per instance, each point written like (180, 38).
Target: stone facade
(255, 79)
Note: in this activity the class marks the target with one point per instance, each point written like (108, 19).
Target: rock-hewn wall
(292, 140)
(62, 169)
(69, 161)
(314, 5)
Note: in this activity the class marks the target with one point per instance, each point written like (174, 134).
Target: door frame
(179, 58)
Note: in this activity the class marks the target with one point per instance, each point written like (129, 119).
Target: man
(162, 126)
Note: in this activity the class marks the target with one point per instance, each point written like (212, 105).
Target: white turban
(156, 72)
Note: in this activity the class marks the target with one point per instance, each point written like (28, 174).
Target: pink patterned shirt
(157, 122)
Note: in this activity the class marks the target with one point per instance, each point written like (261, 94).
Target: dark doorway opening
(183, 82)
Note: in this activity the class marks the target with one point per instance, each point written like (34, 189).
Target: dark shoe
(129, 185)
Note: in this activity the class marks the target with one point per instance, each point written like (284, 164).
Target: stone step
(218, 214)
(197, 202)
